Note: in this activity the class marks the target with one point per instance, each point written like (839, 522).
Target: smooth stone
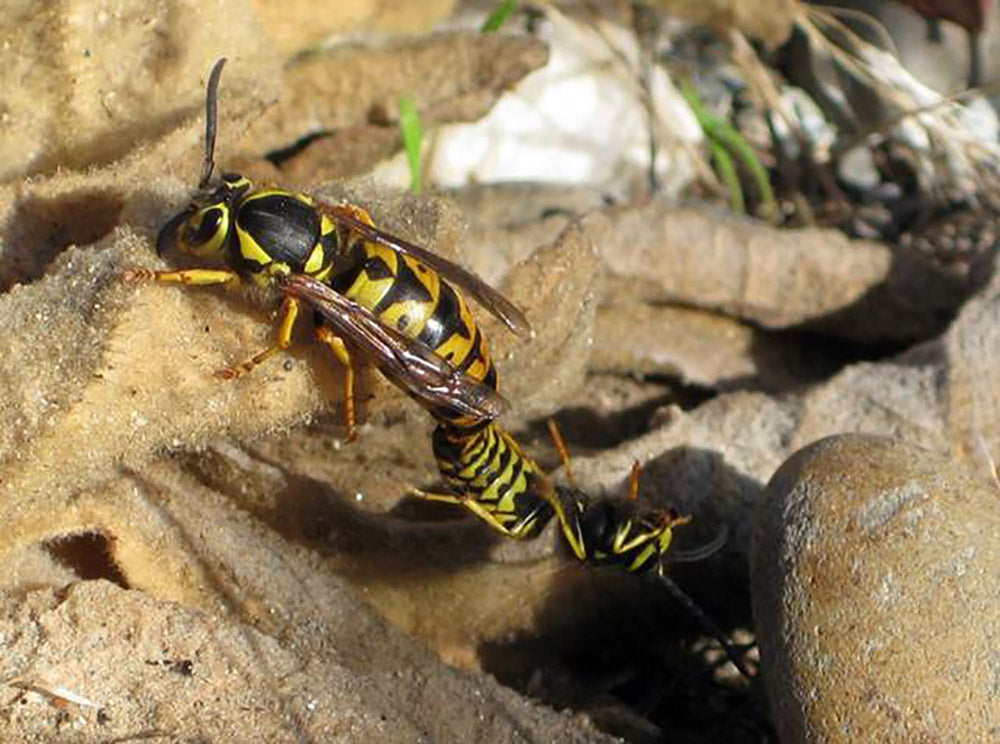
(875, 586)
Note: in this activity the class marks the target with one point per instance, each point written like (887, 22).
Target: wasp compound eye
(203, 227)
(168, 233)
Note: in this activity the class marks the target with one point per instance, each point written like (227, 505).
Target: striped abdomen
(487, 466)
(414, 299)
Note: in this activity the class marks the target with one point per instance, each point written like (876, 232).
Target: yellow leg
(290, 311)
(336, 343)
(185, 276)
(568, 514)
(472, 505)
(489, 517)
(447, 498)
(633, 481)
(630, 543)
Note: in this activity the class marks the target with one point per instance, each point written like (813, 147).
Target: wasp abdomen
(487, 465)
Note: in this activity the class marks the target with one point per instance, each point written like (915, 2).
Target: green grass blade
(726, 169)
(499, 16)
(721, 133)
(736, 143)
(413, 138)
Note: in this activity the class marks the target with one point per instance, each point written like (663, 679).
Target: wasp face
(203, 234)
(202, 228)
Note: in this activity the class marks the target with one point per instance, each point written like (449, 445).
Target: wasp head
(202, 228)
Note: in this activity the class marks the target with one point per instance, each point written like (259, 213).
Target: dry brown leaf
(280, 647)
(816, 278)
(972, 393)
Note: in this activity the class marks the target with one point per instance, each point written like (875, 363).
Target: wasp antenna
(633, 481)
(706, 622)
(211, 119)
(702, 552)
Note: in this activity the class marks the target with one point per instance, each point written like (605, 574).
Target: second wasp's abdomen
(487, 465)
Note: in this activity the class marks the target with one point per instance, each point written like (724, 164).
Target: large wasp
(258, 235)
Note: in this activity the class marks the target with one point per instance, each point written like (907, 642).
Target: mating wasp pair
(488, 472)
(490, 475)
(402, 308)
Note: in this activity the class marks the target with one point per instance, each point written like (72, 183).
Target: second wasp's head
(658, 528)
(636, 539)
(202, 228)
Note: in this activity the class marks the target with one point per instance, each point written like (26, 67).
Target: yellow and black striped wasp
(259, 235)
(486, 468)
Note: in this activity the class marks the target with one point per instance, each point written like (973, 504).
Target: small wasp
(260, 235)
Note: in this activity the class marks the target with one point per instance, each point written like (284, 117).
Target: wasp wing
(409, 364)
(485, 295)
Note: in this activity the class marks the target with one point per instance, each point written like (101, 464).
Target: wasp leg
(447, 498)
(568, 510)
(633, 481)
(631, 543)
(336, 343)
(490, 518)
(290, 311)
(562, 449)
(358, 213)
(472, 505)
(185, 276)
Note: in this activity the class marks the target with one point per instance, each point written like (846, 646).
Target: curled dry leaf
(813, 278)
(970, 348)
(309, 655)
(557, 287)
(698, 347)
(100, 375)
